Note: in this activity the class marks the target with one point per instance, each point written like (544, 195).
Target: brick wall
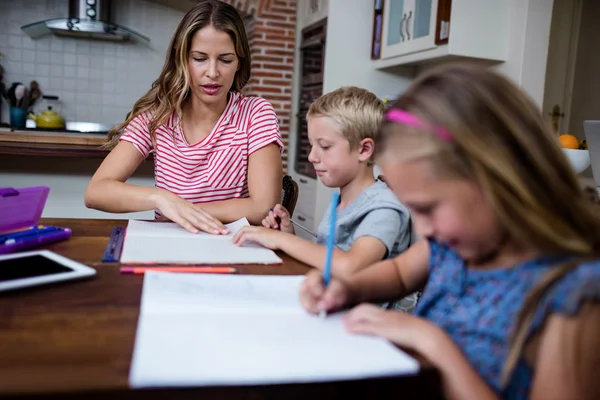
(271, 28)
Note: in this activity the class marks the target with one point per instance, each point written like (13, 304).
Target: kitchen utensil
(19, 92)
(12, 100)
(48, 119)
(34, 92)
(25, 99)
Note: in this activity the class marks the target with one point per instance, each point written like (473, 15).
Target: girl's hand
(265, 237)
(402, 329)
(187, 215)
(315, 297)
(278, 218)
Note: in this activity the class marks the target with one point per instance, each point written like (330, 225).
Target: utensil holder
(18, 117)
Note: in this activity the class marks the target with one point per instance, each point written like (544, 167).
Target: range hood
(87, 19)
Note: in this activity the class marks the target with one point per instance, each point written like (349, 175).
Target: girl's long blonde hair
(171, 90)
(500, 141)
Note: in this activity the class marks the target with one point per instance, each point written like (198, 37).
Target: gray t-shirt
(376, 212)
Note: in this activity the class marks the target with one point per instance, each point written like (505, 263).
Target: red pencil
(199, 270)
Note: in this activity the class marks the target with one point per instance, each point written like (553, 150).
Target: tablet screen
(29, 267)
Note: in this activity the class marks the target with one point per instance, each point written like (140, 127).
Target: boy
(371, 223)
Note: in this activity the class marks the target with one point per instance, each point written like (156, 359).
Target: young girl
(217, 154)
(510, 250)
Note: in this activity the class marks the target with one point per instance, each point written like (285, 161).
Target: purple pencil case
(20, 212)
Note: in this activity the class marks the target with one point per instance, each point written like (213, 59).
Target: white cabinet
(417, 32)
(312, 11)
(408, 26)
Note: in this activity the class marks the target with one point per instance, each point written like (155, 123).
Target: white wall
(96, 81)
(529, 31)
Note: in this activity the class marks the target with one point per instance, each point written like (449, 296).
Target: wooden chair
(290, 194)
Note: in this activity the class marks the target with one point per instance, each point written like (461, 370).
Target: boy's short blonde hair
(357, 111)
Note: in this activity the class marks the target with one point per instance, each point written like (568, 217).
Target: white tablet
(33, 268)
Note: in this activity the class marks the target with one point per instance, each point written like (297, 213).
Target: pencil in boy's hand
(330, 239)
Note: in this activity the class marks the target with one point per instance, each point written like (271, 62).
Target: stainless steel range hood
(88, 19)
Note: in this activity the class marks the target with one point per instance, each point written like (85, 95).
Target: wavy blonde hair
(171, 90)
(500, 141)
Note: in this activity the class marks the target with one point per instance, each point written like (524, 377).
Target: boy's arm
(365, 251)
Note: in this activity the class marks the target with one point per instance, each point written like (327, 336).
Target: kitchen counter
(61, 144)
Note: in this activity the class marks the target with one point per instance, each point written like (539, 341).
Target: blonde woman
(510, 255)
(217, 153)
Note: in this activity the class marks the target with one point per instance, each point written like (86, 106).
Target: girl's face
(451, 211)
(212, 65)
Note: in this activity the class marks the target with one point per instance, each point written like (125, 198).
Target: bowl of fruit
(576, 151)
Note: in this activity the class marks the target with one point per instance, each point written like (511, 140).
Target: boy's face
(335, 164)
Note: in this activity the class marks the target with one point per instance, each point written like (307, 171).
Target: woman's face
(212, 65)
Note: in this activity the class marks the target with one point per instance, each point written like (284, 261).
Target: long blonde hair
(171, 90)
(500, 141)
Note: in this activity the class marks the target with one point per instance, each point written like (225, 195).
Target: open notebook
(203, 330)
(169, 243)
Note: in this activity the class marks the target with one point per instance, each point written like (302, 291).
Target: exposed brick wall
(271, 26)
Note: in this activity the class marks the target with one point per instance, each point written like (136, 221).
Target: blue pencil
(330, 241)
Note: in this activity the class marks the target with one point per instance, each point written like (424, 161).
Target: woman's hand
(315, 297)
(263, 236)
(279, 218)
(188, 215)
(402, 329)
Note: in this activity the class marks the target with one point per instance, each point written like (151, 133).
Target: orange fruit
(568, 141)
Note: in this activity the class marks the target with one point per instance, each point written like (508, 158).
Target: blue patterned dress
(479, 308)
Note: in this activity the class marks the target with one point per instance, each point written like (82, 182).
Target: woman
(217, 153)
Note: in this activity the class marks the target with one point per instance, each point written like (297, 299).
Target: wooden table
(75, 339)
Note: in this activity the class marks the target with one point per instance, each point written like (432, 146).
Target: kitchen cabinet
(408, 26)
(419, 31)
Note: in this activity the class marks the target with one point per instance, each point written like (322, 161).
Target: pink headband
(406, 118)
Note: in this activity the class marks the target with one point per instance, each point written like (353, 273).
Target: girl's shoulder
(576, 286)
(569, 292)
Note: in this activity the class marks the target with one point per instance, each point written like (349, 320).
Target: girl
(510, 245)
(217, 154)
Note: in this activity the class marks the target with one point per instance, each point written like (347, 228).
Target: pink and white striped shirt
(216, 168)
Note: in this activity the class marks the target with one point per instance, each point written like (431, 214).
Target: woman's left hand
(404, 330)
(258, 234)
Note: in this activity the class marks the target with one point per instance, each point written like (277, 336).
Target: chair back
(290, 194)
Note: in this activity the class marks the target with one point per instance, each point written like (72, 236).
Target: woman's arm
(265, 177)
(107, 190)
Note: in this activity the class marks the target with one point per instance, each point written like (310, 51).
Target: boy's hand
(315, 297)
(265, 237)
(278, 218)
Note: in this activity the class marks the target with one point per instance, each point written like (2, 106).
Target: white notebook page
(168, 243)
(198, 330)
